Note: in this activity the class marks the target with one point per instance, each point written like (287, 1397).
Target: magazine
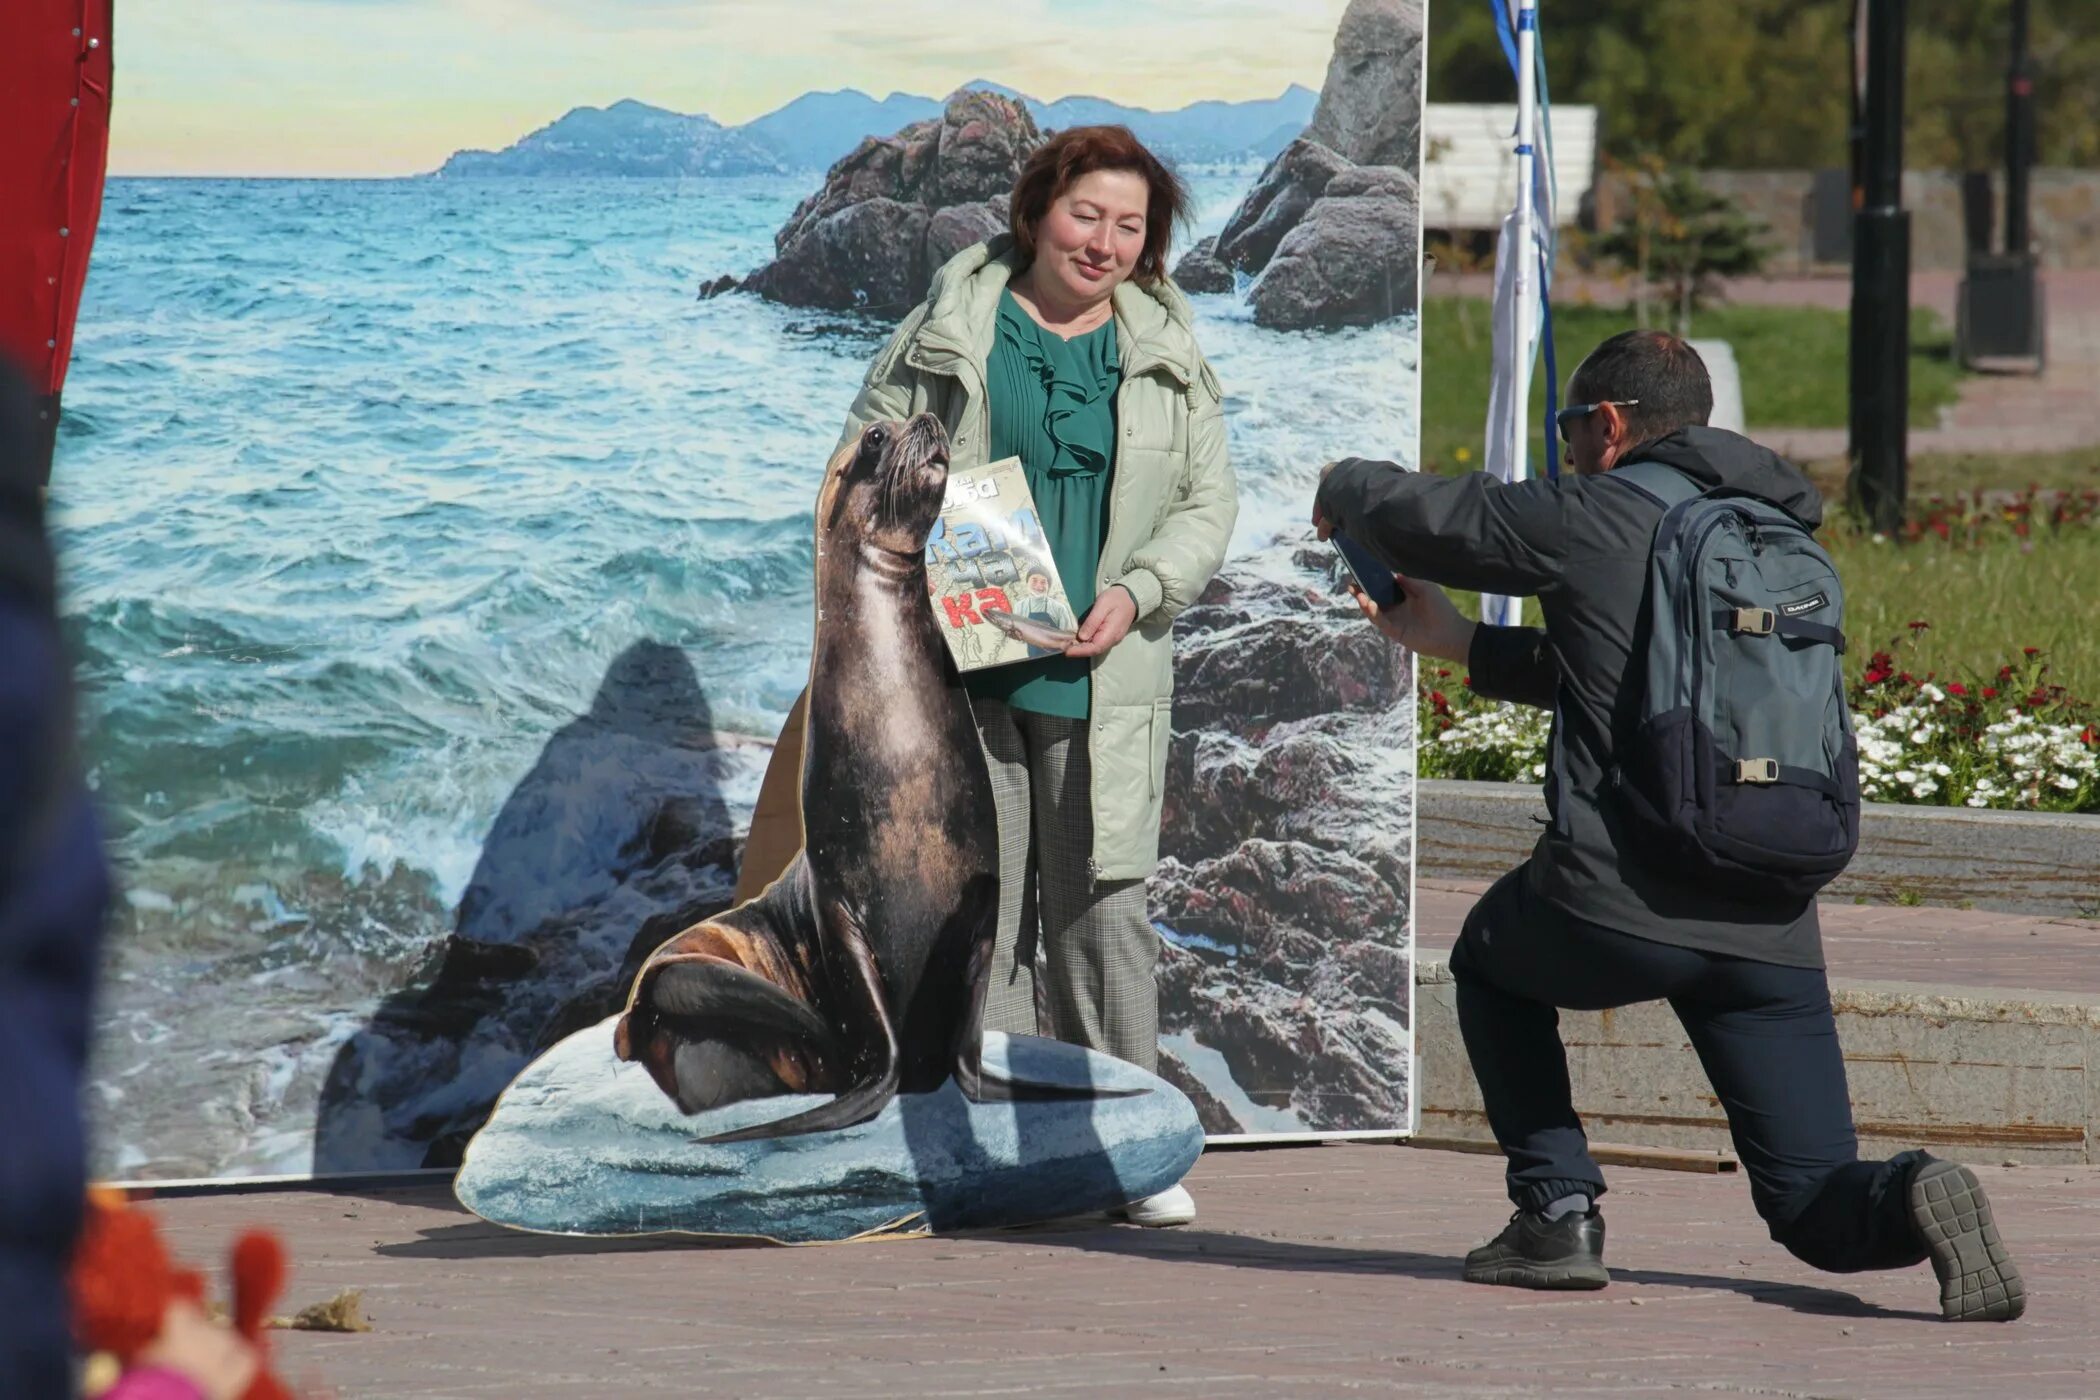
(995, 589)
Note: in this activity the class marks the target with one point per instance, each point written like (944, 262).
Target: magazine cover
(988, 567)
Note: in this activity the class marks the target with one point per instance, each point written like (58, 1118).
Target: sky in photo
(393, 87)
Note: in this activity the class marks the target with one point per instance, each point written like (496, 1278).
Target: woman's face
(1087, 243)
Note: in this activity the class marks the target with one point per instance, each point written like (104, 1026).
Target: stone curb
(1980, 1075)
(2015, 862)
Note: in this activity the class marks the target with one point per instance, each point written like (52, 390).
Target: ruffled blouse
(1053, 405)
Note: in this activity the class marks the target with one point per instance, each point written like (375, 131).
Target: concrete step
(2040, 863)
(1971, 1033)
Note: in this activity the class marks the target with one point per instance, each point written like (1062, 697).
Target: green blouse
(1053, 405)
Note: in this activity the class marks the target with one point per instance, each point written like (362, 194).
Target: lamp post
(2019, 133)
(1880, 347)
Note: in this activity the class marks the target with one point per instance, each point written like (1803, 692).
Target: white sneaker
(1173, 1206)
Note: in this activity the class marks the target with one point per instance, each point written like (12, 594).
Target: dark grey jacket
(1580, 544)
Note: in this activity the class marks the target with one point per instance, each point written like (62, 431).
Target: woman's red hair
(1078, 151)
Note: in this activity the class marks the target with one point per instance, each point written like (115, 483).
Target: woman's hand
(1423, 620)
(1107, 622)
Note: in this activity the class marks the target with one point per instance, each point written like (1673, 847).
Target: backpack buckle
(1757, 770)
(1756, 622)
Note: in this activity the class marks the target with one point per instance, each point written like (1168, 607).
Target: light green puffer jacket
(1171, 506)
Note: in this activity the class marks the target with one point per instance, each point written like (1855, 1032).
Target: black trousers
(1763, 1032)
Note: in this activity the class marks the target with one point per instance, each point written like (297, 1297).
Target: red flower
(2031, 651)
(1918, 626)
(1907, 678)
(2090, 738)
(1876, 675)
(1442, 672)
(1957, 688)
(1466, 681)
(1990, 692)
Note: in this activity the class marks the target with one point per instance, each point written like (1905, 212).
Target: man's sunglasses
(1577, 410)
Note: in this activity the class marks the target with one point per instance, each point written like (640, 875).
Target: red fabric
(53, 53)
(123, 1279)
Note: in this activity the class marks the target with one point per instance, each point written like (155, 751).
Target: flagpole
(1526, 280)
(1523, 280)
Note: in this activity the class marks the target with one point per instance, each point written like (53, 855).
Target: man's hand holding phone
(1421, 618)
(1414, 614)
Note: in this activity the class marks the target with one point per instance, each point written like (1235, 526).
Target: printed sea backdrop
(437, 568)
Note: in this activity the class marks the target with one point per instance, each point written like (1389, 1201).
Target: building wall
(2064, 212)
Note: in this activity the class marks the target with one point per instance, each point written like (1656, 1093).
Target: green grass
(1792, 359)
(1985, 603)
(1945, 474)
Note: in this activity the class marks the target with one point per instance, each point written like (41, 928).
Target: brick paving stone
(1313, 1271)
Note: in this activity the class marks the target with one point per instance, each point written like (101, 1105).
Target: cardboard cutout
(849, 994)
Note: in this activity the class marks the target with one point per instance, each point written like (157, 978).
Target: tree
(1681, 236)
(1762, 84)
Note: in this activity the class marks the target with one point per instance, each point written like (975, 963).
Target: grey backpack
(1742, 774)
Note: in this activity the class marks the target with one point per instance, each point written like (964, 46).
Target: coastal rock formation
(899, 206)
(1282, 894)
(1332, 229)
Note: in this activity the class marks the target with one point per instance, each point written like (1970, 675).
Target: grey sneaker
(1978, 1280)
(1534, 1252)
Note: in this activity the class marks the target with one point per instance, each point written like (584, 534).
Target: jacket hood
(1717, 457)
(1157, 324)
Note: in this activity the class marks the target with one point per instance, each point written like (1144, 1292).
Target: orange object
(123, 1279)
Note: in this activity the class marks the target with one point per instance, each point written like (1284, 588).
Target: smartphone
(1373, 577)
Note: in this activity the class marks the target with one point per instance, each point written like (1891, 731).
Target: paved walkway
(2057, 411)
(1312, 1272)
(1967, 948)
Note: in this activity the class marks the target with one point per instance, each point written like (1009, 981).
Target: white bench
(1469, 163)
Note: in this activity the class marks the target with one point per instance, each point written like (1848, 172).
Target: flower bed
(2013, 741)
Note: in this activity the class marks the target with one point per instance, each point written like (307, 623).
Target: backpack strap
(1658, 481)
(1763, 622)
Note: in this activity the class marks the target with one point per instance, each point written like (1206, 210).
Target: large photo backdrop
(435, 497)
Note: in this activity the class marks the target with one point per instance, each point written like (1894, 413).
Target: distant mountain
(627, 138)
(816, 129)
(1202, 131)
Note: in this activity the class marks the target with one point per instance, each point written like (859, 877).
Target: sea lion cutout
(861, 971)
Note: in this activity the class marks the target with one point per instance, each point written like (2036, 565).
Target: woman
(1064, 343)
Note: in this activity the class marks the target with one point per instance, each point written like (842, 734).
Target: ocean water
(367, 491)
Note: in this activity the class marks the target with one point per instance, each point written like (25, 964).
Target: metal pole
(2019, 133)
(1880, 358)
